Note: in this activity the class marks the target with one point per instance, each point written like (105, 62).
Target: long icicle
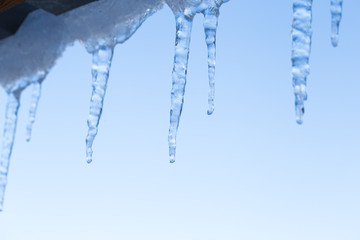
(100, 73)
(182, 44)
(301, 46)
(336, 15)
(8, 141)
(35, 97)
(210, 25)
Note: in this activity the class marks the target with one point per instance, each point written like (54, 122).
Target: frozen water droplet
(210, 26)
(101, 64)
(336, 15)
(8, 141)
(182, 44)
(301, 46)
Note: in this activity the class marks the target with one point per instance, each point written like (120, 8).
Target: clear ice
(103, 24)
(184, 18)
(8, 140)
(183, 35)
(336, 14)
(35, 97)
(210, 25)
(99, 26)
(301, 45)
(100, 73)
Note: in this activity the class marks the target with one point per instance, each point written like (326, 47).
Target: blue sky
(247, 172)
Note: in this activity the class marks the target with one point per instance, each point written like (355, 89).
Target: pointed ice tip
(210, 111)
(89, 160)
(300, 110)
(172, 158)
(28, 138)
(335, 42)
(299, 119)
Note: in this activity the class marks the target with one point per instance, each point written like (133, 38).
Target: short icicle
(100, 73)
(182, 44)
(8, 141)
(210, 25)
(35, 97)
(336, 15)
(301, 46)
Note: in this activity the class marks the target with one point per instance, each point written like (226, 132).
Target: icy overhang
(43, 37)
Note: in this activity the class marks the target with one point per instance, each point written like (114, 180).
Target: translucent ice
(103, 24)
(100, 26)
(184, 14)
(8, 140)
(35, 97)
(301, 46)
(100, 74)
(210, 26)
(183, 35)
(336, 14)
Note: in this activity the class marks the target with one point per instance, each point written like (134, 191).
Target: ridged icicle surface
(100, 74)
(336, 15)
(8, 140)
(184, 18)
(301, 45)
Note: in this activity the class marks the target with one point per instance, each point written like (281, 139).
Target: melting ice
(99, 33)
(100, 73)
(336, 14)
(184, 18)
(103, 24)
(301, 37)
(301, 46)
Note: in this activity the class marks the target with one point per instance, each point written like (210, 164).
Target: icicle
(100, 73)
(182, 44)
(336, 14)
(35, 97)
(301, 46)
(8, 141)
(210, 26)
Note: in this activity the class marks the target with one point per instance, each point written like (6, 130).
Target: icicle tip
(210, 111)
(335, 41)
(299, 120)
(89, 159)
(300, 115)
(28, 138)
